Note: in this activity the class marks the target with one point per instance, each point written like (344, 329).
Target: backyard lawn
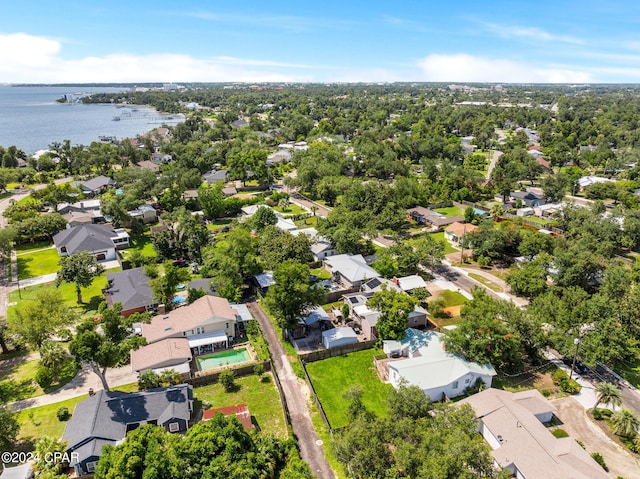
(452, 298)
(140, 243)
(261, 397)
(451, 211)
(38, 263)
(18, 381)
(292, 209)
(332, 377)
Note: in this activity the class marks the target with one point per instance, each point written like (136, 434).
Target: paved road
(579, 426)
(305, 202)
(495, 156)
(310, 449)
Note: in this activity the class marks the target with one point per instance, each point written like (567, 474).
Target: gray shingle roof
(85, 238)
(105, 415)
(96, 183)
(131, 288)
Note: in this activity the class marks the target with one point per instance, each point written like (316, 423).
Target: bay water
(31, 119)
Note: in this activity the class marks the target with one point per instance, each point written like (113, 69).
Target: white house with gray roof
(99, 240)
(425, 363)
(350, 270)
(106, 417)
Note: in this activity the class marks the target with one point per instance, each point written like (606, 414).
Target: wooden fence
(317, 401)
(338, 351)
(202, 378)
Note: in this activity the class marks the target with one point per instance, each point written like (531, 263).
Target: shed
(339, 337)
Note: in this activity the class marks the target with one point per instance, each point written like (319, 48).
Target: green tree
(53, 356)
(227, 378)
(148, 380)
(625, 422)
(3, 335)
(555, 187)
(608, 394)
(395, 307)
(165, 287)
(262, 218)
(36, 321)
(9, 428)
(292, 296)
(45, 447)
(212, 200)
(109, 349)
(80, 268)
(408, 402)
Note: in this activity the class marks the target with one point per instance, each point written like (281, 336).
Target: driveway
(296, 399)
(579, 426)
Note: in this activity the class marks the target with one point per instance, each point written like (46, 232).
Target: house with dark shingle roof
(94, 186)
(99, 240)
(425, 216)
(131, 289)
(215, 176)
(106, 417)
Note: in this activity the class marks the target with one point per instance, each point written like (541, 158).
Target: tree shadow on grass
(12, 390)
(92, 304)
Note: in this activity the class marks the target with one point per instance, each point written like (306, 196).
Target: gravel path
(296, 397)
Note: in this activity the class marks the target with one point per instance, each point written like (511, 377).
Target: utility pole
(576, 341)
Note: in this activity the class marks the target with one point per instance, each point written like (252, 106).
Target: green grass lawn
(261, 397)
(489, 284)
(451, 211)
(38, 263)
(439, 236)
(332, 377)
(141, 243)
(630, 371)
(452, 298)
(321, 273)
(310, 222)
(292, 209)
(19, 383)
(92, 295)
(28, 247)
(42, 421)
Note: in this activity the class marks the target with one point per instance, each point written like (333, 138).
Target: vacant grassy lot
(332, 377)
(38, 263)
(261, 397)
(18, 383)
(452, 298)
(92, 295)
(489, 284)
(292, 209)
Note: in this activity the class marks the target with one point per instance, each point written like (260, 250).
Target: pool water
(224, 358)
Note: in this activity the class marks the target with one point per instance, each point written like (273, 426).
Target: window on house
(63, 249)
(226, 325)
(466, 381)
(174, 427)
(91, 466)
(455, 385)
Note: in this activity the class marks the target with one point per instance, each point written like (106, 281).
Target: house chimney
(162, 309)
(395, 281)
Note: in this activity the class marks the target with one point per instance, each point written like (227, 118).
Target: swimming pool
(224, 358)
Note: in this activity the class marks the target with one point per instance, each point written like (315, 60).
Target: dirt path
(310, 448)
(580, 427)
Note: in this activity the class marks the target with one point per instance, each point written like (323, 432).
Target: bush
(63, 414)
(258, 369)
(226, 379)
(559, 433)
(558, 376)
(44, 377)
(600, 460)
(599, 414)
(570, 386)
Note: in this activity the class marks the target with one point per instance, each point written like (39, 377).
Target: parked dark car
(181, 263)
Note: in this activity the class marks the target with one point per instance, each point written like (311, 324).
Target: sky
(547, 41)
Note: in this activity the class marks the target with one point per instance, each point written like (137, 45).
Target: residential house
(512, 424)
(280, 156)
(170, 353)
(454, 233)
(317, 318)
(144, 213)
(336, 337)
(240, 411)
(350, 270)
(433, 219)
(160, 158)
(527, 198)
(240, 123)
(106, 417)
(425, 363)
(131, 289)
(99, 240)
(81, 212)
(149, 165)
(229, 191)
(586, 181)
(215, 176)
(321, 247)
(263, 280)
(207, 323)
(94, 186)
(204, 284)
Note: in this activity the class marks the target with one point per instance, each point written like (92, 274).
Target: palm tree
(53, 356)
(608, 394)
(625, 422)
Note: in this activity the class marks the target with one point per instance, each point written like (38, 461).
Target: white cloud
(462, 67)
(531, 33)
(31, 59)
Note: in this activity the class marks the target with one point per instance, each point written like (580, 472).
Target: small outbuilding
(336, 337)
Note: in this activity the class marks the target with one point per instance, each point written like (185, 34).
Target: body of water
(31, 119)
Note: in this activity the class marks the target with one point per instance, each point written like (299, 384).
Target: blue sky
(252, 41)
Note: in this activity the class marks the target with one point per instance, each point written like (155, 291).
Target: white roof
(243, 311)
(591, 180)
(339, 333)
(179, 368)
(352, 267)
(286, 224)
(435, 367)
(408, 283)
(312, 232)
(317, 314)
(207, 338)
